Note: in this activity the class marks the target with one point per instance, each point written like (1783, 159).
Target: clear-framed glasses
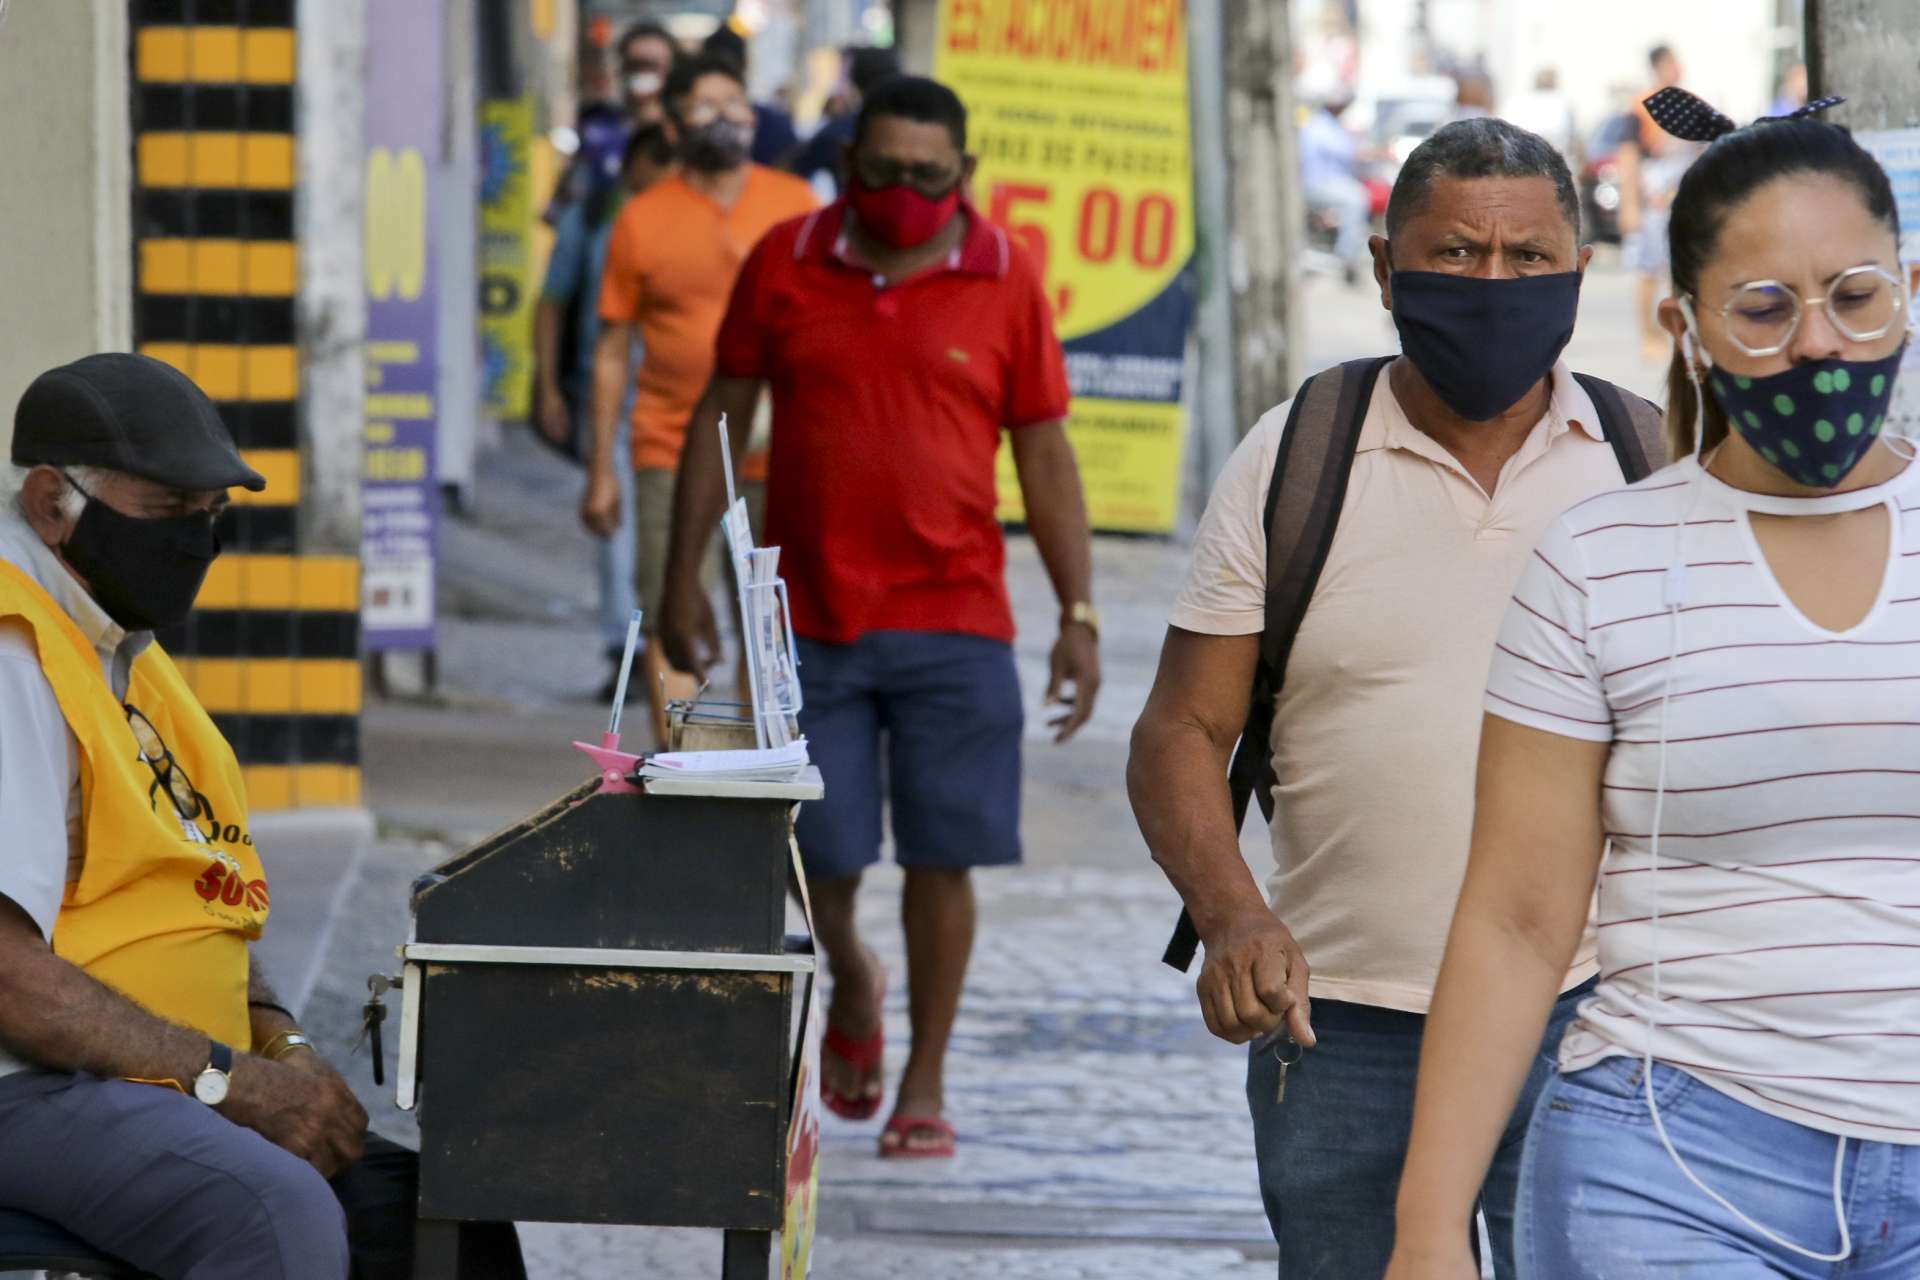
(1864, 303)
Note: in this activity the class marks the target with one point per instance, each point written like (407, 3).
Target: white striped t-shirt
(1789, 863)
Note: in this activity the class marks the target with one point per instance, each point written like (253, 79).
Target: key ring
(1272, 1042)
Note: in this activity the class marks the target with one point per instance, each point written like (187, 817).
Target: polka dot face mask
(1812, 421)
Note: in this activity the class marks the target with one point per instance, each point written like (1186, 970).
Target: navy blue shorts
(929, 720)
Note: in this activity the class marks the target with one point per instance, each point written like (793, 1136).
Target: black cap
(129, 413)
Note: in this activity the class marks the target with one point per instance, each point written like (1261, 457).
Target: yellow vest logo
(223, 881)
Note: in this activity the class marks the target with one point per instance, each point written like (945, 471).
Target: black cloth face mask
(1483, 343)
(144, 572)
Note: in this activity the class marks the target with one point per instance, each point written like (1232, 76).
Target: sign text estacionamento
(1124, 35)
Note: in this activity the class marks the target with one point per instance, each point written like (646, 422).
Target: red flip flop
(906, 1138)
(864, 1056)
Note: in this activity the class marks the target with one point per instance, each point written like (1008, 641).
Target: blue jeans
(1330, 1153)
(1601, 1199)
(614, 556)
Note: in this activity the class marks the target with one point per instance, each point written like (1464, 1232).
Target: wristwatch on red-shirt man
(1083, 612)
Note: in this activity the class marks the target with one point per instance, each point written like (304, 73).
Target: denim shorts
(1600, 1198)
(924, 724)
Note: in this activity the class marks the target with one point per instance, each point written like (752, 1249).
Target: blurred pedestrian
(1792, 92)
(671, 263)
(775, 140)
(1441, 467)
(821, 159)
(566, 329)
(902, 335)
(1545, 110)
(648, 55)
(1330, 179)
(1651, 164)
(1472, 95)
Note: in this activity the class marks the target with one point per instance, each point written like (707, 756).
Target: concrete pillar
(457, 228)
(64, 210)
(1267, 208)
(1219, 419)
(332, 301)
(1868, 50)
(914, 23)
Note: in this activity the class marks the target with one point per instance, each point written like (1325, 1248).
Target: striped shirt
(1788, 885)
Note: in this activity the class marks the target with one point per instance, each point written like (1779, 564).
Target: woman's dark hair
(1725, 176)
(913, 98)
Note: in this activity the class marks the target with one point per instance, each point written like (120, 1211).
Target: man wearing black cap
(175, 1115)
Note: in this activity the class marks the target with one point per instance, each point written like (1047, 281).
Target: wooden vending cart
(598, 1017)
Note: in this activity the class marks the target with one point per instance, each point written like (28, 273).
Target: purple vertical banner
(400, 497)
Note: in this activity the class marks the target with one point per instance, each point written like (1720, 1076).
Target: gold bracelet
(284, 1043)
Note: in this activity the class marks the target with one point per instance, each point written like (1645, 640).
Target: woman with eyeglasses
(1706, 701)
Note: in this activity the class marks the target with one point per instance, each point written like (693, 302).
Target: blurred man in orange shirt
(675, 253)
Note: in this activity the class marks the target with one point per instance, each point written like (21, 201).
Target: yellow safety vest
(164, 907)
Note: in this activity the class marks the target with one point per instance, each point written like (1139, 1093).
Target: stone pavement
(1103, 1133)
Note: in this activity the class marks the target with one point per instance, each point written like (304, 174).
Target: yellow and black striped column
(272, 648)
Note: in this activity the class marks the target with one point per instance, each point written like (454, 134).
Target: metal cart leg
(436, 1250)
(747, 1255)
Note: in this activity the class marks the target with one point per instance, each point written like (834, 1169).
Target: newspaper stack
(771, 765)
(773, 675)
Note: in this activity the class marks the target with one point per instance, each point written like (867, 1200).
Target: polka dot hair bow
(1690, 119)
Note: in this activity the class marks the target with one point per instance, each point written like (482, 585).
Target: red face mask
(901, 217)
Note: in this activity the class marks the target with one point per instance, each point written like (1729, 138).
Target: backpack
(1303, 511)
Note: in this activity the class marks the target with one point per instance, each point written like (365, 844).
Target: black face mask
(1482, 343)
(717, 146)
(144, 573)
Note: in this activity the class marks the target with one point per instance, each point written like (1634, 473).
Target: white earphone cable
(1903, 445)
(1674, 595)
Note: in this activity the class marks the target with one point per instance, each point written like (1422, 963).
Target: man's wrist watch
(210, 1086)
(1083, 612)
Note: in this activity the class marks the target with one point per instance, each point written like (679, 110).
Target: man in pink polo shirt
(901, 334)
(1473, 440)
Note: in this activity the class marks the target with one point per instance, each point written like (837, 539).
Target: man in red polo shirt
(900, 333)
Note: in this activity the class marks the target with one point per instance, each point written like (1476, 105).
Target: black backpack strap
(1632, 424)
(1304, 499)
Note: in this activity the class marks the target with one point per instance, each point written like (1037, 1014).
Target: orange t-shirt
(670, 269)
